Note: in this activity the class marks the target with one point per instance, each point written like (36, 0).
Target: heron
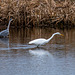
(5, 32)
(42, 41)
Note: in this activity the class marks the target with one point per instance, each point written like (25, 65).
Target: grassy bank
(38, 12)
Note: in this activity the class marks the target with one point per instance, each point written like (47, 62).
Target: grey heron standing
(5, 32)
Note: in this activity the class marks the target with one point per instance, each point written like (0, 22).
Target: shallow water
(55, 58)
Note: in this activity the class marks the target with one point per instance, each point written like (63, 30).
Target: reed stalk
(37, 12)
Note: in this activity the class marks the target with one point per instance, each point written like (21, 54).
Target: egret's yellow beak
(61, 34)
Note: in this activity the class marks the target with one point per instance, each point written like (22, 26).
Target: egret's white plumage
(42, 41)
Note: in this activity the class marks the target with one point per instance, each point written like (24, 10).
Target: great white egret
(5, 32)
(42, 41)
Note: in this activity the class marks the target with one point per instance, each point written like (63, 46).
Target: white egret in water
(42, 41)
(5, 32)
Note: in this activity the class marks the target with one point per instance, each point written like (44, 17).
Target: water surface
(55, 58)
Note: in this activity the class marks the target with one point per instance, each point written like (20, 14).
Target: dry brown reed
(37, 12)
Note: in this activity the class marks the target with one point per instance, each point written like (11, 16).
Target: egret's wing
(37, 41)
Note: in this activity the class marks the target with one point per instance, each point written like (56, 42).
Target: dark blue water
(55, 58)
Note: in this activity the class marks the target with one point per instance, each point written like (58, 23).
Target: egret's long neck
(8, 25)
(50, 38)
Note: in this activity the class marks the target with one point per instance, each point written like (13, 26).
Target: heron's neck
(8, 25)
(51, 37)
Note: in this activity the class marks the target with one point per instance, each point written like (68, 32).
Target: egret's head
(59, 33)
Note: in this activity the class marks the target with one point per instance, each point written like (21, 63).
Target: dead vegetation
(37, 12)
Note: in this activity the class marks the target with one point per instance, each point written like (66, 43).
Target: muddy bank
(31, 13)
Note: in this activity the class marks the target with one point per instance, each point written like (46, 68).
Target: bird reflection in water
(4, 42)
(40, 52)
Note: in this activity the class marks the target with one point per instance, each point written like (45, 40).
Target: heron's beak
(12, 19)
(61, 34)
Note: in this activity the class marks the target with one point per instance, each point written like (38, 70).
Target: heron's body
(42, 41)
(5, 32)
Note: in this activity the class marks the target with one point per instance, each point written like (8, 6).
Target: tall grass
(37, 12)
